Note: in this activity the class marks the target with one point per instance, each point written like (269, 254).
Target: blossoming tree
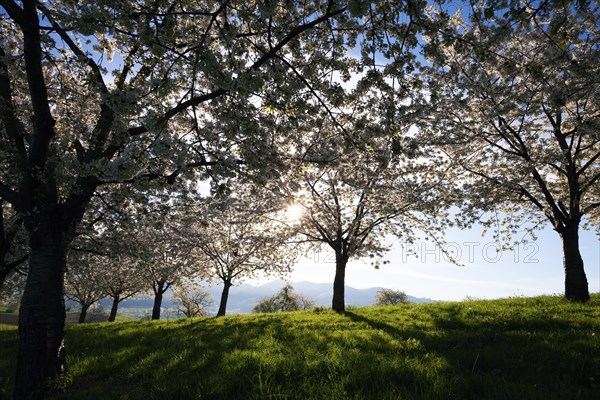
(514, 92)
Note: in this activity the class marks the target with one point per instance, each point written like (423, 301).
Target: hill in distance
(242, 298)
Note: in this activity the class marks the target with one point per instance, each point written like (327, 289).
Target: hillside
(525, 348)
(242, 298)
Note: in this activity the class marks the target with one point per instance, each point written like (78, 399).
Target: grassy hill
(244, 297)
(521, 348)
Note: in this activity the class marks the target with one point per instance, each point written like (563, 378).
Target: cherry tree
(109, 233)
(353, 203)
(121, 275)
(239, 238)
(515, 94)
(97, 93)
(165, 260)
(121, 280)
(192, 300)
(82, 282)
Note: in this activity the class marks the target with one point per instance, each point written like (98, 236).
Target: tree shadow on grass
(497, 357)
(442, 352)
(162, 360)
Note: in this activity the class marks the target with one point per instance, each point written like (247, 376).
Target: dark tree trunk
(114, 308)
(158, 296)
(576, 284)
(224, 297)
(83, 313)
(41, 323)
(338, 302)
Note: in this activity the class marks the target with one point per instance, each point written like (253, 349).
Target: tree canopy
(374, 117)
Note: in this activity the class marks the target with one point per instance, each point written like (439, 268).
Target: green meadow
(518, 348)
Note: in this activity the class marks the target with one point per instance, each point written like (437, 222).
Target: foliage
(529, 348)
(8, 308)
(60, 384)
(13, 287)
(389, 297)
(285, 300)
(516, 87)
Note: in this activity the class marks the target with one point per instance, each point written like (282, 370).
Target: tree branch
(558, 214)
(591, 207)
(297, 31)
(107, 114)
(589, 163)
(319, 99)
(14, 11)
(43, 120)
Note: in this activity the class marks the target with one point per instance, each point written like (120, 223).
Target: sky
(533, 269)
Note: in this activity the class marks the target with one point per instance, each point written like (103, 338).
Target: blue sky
(533, 270)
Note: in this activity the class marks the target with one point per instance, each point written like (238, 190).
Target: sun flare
(293, 212)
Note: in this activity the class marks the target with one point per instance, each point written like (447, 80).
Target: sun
(293, 212)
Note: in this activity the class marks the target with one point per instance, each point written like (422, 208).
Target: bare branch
(15, 12)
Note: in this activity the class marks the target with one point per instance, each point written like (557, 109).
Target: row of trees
(219, 241)
(373, 117)
(287, 299)
(193, 301)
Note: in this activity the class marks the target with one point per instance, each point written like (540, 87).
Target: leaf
(358, 8)
(489, 12)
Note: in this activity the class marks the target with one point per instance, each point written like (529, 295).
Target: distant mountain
(321, 293)
(242, 298)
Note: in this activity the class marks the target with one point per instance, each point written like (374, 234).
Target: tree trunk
(338, 303)
(114, 308)
(576, 284)
(224, 297)
(41, 323)
(83, 313)
(158, 296)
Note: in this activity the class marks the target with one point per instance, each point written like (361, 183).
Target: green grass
(522, 348)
